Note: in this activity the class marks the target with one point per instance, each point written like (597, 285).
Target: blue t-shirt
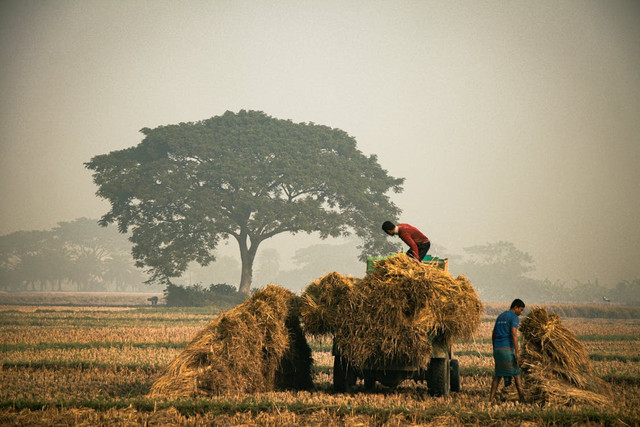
(502, 328)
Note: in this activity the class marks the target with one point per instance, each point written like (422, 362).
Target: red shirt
(411, 236)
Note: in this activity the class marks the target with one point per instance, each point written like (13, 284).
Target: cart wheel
(438, 381)
(455, 375)
(344, 378)
(339, 375)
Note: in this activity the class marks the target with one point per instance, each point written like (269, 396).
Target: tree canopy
(244, 175)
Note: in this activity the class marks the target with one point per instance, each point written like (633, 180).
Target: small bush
(219, 295)
(223, 289)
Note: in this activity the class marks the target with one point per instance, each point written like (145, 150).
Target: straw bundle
(392, 314)
(556, 365)
(257, 346)
(321, 300)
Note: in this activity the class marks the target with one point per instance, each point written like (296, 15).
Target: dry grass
(35, 308)
(106, 333)
(96, 299)
(156, 357)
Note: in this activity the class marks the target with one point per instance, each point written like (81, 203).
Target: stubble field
(95, 365)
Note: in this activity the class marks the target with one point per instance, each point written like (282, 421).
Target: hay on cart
(392, 314)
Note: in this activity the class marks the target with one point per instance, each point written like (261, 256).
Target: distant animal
(606, 299)
(153, 299)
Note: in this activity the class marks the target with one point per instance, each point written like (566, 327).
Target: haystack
(393, 314)
(556, 365)
(325, 300)
(257, 346)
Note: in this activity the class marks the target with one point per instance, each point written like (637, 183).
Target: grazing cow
(153, 299)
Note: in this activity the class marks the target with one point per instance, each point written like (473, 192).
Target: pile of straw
(392, 315)
(555, 365)
(257, 346)
(325, 301)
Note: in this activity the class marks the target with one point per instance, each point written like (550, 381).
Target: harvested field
(86, 299)
(73, 377)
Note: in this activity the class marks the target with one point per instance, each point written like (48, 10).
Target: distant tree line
(82, 256)
(499, 273)
(74, 256)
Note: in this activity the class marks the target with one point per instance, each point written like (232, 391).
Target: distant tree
(84, 233)
(498, 271)
(46, 265)
(80, 253)
(21, 258)
(87, 270)
(225, 269)
(248, 176)
(341, 257)
(99, 256)
(317, 260)
(627, 292)
(10, 260)
(501, 255)
(120, 270)
(268, 265)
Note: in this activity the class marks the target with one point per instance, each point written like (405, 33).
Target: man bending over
(419, 244)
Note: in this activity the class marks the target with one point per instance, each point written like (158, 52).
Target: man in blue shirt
(505, 348)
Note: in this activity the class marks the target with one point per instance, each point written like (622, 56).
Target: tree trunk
(247, 255)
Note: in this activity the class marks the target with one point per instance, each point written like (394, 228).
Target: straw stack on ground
(391, 315)
(556, 366)
(257, 346)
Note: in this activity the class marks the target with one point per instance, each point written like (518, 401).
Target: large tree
(248, 176)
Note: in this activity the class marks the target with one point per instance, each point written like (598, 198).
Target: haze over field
(514, 121)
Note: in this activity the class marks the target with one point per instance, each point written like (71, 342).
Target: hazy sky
(510, 120)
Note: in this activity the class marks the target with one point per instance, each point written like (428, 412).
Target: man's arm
(493, 337)
(514, 340)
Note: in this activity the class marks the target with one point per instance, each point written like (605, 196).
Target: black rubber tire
(351, 378)
(369, 382)
(344, 378)
(339, 375)
(455, 375)
(439, 376)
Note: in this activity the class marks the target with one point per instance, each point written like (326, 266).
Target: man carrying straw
(419, 244)
(505, 348)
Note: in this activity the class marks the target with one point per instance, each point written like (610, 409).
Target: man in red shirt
(419, 244)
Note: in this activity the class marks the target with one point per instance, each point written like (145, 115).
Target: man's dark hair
(517, 303)
(388, 226)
